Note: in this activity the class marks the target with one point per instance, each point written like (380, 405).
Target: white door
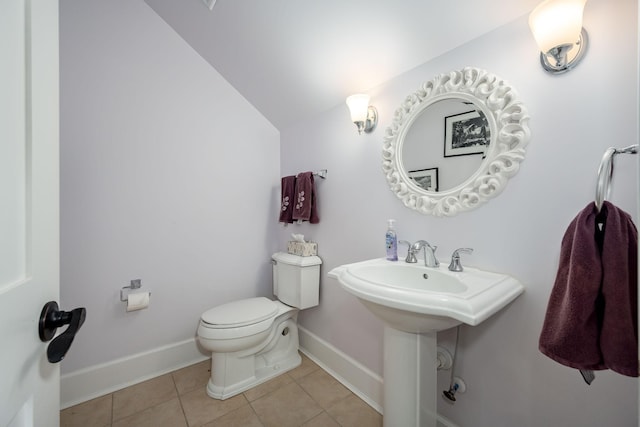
(29, 240)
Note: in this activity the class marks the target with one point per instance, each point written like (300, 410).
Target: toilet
(255, 339)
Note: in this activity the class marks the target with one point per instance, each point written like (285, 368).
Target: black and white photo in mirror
(466, 134)
(425, 178)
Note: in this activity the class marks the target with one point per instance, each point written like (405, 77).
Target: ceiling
(295, 58)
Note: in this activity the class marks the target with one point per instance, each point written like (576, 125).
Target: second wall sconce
(363, 115)
(557, 27)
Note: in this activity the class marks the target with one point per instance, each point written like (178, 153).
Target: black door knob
(51, 318)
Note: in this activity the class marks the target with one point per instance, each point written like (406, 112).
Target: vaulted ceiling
(295, 58)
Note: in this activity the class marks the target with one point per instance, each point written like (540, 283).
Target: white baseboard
(366, 384)
(95, 381)
(363, 382)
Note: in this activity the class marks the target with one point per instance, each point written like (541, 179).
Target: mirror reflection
(445, 144)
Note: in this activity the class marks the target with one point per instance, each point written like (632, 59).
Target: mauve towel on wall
(591, 319)
(305, 199)
(288, 184)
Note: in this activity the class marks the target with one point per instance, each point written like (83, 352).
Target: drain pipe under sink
(455, 384)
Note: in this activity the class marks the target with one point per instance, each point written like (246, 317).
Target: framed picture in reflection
(466, 134)
(425, 178)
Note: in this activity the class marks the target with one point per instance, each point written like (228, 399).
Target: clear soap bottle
(391, 241)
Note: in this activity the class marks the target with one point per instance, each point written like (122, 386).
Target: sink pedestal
(415, 302)
(410, 379)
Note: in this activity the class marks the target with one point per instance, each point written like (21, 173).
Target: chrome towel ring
(605, 172)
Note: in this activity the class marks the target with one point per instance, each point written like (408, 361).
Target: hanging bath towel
(305, 199)
(288, 184)
(592, 314)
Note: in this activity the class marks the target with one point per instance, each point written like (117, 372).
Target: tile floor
(306, 396)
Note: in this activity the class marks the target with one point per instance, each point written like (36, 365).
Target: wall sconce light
(557, 27)
(363, 115)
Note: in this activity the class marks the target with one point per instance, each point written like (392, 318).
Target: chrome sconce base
(371, 122)
(565, 57)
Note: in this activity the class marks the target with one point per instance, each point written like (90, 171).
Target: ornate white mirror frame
(509, 135)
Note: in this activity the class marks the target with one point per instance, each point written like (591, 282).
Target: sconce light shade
(557, 28)
(362, 114)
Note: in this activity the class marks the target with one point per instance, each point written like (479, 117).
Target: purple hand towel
(591, 317)
(305, 199)
(619, 334)
(288, 184)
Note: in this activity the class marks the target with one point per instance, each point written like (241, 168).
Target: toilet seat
(238, 318)
(240, 313)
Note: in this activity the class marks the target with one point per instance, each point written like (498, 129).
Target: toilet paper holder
(126, 290)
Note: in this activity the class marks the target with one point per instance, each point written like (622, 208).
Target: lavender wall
(574, 118)
(168, 176)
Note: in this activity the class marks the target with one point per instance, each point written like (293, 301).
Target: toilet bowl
(256, 339)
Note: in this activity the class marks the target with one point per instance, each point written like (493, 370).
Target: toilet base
(233, 373)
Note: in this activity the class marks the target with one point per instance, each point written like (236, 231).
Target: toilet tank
(296, 279)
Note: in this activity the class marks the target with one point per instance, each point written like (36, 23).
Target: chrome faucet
(430, 259)
(455, 259)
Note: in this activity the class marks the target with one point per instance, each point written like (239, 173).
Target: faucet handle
(465, 250)
(411, 255)
(455, 259)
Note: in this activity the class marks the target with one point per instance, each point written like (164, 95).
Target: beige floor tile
(142, 396)
(323, 388)
(286, 407)
(271, 385)
(199, 408)
(308, 366)
(94, 413)
(167, 414)
(353, 412)
(192, 377)
(322, 420)
(241, 417)
(179, 399)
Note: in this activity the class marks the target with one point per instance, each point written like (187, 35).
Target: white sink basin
(417, 299)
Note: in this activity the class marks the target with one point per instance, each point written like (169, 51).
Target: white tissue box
(302, 248)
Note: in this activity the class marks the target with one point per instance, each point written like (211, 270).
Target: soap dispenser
(391, 241)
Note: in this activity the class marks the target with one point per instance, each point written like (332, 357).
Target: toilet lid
(240, 313)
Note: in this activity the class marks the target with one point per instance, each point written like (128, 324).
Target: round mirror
(455, 142)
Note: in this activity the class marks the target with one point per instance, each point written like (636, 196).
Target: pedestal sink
(415, 302)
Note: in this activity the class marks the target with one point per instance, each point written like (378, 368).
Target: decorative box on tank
(302, 248)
